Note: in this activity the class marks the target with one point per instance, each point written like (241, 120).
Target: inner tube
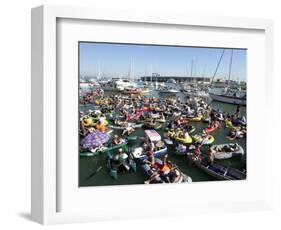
(207, 140)
(209, 130)
(184, 140)
(199, 118)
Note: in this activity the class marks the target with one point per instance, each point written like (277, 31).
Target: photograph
(157, 114)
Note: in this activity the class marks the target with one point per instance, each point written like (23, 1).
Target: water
(88, 165)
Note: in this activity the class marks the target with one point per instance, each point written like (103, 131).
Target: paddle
(94, 173)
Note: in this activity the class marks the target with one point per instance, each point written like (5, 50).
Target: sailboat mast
(230, 68)
(151, 74)
(217, 67)
(191, 69)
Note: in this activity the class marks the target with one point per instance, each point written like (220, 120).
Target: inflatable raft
(226, 151)
(198, 118)
(209, 139)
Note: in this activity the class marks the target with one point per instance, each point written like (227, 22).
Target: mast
(191, 68)
(151, 74)
(217, 67)
(230, 68)
(99, 71)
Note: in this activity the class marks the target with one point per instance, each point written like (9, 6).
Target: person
(237, 113)
(102, 119)
(186, 135)
(181, 148)
(121, 160)
(128, 130)
(232, 134)
(165, 169)
(100, 127)
(117, 140)
(210, 154)
(196, 153)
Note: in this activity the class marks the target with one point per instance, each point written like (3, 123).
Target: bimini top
(152, 135)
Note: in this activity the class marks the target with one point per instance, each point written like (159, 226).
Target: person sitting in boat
(167, 172)
(100, 127)
(162, 117)
(186, 135)
(232, 134)
(121, 161)
(181, 148)
(159, 145)
(98, 148)
(196, 153)
(117, 140)
(102, 119)
(220, 116)
(210, 154)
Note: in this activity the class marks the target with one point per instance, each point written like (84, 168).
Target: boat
(219, 171)
(226, 151)
(118, 85)
(106, 149)
(209, 139)
(149, 171)
(230, 96)
(168, 141)
(133, 125)
(152, 136)
(168, 91)
(185, 140)
(208, 130)
(115, 167)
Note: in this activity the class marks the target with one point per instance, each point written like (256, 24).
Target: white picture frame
(46, 181)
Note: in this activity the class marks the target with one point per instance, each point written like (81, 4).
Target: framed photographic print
(129, 109)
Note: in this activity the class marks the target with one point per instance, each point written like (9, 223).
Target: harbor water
(93, 170)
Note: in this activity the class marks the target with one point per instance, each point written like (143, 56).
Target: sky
(114, 60)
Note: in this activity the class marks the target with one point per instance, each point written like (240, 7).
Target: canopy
(152, 135)
(95, 139)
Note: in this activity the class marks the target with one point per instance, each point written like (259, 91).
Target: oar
(94, 173)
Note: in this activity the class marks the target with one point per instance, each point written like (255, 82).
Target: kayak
(204, 141)
(226, 151)
(219, 171)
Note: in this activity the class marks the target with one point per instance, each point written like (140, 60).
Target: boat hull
(228, 99)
